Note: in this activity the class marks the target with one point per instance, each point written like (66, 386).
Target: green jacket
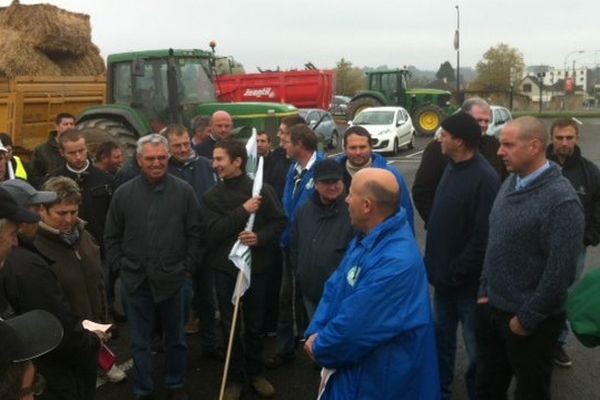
(583, 309)
(46, 158)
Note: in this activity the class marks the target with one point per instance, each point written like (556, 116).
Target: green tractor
(148, 90)
(428, 107)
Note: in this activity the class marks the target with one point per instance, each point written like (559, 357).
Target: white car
(390, 128)
(500, 116)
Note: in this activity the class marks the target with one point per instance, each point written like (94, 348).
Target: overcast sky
(288, 33)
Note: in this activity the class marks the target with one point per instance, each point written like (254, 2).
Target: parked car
(339, 105)
(390, 128)
(323, 124)
(500, 116)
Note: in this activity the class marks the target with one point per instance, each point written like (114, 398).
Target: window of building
(527, 88)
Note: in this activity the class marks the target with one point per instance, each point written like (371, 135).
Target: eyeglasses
(36, 388)
(157, 158)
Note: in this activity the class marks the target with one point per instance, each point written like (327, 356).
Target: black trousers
(246, 357)
(502, 354)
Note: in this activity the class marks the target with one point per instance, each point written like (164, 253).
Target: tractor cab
(390, 83)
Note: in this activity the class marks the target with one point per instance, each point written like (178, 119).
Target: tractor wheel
(360, 104)
(427, 119)
(102, 130)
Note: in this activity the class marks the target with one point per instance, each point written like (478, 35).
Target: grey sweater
(535, 236)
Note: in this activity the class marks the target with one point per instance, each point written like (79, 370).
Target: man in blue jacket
(373, 325)
(300, 145)
(359, 154)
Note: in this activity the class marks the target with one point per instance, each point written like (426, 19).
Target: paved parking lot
(298, 381)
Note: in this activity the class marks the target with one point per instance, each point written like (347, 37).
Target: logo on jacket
(352, 275)
(310, 184)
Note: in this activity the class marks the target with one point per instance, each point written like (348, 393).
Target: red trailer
(303, 89)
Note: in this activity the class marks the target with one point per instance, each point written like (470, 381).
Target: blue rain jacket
(374, 321)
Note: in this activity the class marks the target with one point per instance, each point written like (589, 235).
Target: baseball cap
(9, 209)
(328, 170)
(25, 194)
(28, 336)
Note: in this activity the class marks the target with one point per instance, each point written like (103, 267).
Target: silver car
(323, 124)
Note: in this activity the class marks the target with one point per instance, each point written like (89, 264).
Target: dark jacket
(197, 171)
(127, 172)
(205, 149)
(78, 270)
(96, 191)
(457, 231)
(226, 218)
(534, 240)
(432, 166)
(585, 178)
(154, 232)
(320, 236)
(45, 159)
(276, 168)
(27, 283)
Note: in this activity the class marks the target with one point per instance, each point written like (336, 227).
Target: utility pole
(541, 76)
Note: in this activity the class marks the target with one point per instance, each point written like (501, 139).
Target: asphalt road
(298, 381)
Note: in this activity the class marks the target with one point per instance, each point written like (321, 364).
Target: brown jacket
(78, 270)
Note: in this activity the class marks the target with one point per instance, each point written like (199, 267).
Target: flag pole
(231, 337)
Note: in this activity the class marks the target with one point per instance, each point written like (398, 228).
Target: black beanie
(463, 126)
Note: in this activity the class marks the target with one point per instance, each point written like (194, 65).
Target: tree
(446, 73)
(348, 79)
(498, 65)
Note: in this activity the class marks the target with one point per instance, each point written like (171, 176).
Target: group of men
(334, 256)
(502, 250)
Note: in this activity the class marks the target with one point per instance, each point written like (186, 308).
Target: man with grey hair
(154, 233)
(535, 233)
(433, 162)
(200, 129)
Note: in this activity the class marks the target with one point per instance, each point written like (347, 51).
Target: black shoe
(561, 358)
(177, 394)
(278, 360)
(214, 354)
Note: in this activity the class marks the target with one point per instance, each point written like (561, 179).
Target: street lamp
(457, 48)
(567, 57)
(564, 105)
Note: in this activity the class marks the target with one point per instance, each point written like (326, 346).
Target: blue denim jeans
(450, 309)
(141, 311)
(562, 339)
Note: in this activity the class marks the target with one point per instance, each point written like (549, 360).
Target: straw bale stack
(17, 57)
(49, 28)
(42, 39)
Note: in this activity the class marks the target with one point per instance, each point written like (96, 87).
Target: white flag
(240, 254)
(252, 150)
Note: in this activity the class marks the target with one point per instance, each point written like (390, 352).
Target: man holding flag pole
(243, 217)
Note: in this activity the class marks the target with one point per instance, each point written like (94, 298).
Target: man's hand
(252, 205)
(308, 345)
(483, 300)
(516, 327)
(248, 238)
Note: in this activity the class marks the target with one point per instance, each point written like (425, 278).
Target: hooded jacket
(374, 320)
(45, 158)
(378, 161)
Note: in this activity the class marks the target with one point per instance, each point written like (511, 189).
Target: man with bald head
(373, 325)
(221, 127)
(535, 233)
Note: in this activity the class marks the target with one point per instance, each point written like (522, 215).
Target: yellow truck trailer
(29, 104)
